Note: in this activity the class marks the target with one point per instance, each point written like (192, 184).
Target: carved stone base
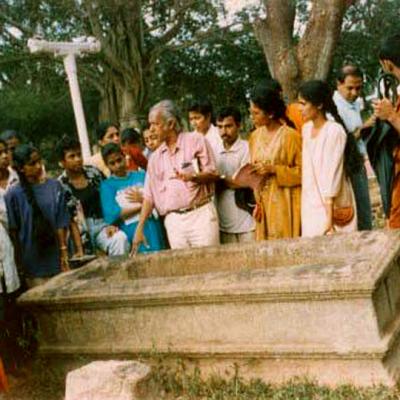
(327, 308)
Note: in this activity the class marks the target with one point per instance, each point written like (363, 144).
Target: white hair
(168, 110)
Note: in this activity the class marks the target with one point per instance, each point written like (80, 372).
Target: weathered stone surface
(107, 380)
(325, 307)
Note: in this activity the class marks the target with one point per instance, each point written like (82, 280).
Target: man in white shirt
(236, 225)
(200, 118)
(346, 97)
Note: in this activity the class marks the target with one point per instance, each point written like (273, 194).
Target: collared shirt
(163, 189)
(94, 178)
(351, 116)
(213, 137)
(50, 197)
(233, 219)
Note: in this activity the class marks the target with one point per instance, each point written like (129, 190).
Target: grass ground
(37, 382)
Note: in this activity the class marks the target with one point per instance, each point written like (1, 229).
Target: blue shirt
(112, 201)
(351, 116)
(51, 199)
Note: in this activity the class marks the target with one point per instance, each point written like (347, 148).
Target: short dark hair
(131, 136)
(3, 142)
(226, 112)
(201, 105)
(102, 128)
(66, 143)
(349, 70)
(108, 149)
(10, 134)
(390, 49)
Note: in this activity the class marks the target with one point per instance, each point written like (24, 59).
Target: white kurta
(325, 155)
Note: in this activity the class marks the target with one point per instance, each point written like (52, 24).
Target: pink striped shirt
(168, 193)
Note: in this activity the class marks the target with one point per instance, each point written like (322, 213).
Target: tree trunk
(108, 108)
(123, 59)
(130, 115)
(311, 57)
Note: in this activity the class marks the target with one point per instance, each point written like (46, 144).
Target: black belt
(192, 208)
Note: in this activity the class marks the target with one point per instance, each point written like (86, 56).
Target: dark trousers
(359, 182)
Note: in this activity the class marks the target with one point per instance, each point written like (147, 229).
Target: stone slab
(107, 380)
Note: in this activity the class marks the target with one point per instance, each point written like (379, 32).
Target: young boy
(82, 184)
(131, 147)
(200, 118)
(151, 141)
(121, 199)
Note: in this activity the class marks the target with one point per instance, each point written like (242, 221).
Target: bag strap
(316, 181)
(342, 184)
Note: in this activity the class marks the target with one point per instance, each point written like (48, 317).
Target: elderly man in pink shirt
(180, 183)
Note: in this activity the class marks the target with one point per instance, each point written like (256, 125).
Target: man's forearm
(76, 237)
(229, 184)
(62, 238)
(147, 208)
(205, 177)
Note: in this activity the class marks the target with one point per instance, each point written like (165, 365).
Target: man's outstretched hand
(138, 239)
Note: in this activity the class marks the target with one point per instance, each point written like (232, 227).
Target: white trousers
(195, 228)
(116, 245)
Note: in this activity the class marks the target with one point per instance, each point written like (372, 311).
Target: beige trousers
(245, 237)
(195, 228)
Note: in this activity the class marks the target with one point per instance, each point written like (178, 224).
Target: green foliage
(161, 52)
(42, 116)
(223, 68)
(366, 24)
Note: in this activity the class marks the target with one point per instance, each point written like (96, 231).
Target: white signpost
(69, 51)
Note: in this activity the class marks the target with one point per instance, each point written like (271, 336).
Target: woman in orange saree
(275, 151)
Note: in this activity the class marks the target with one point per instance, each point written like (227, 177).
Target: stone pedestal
(327, 308)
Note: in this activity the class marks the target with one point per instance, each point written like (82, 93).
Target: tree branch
(179, 19)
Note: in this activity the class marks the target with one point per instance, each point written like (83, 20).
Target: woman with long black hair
(329, 157)
(38, 218)
(275, 152)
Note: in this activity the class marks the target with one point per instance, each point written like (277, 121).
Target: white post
(70, 68)
(69, 50)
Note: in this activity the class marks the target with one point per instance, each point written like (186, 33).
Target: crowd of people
(300, 173)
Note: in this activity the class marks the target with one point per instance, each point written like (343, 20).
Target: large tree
(135, 34)
(292, 57)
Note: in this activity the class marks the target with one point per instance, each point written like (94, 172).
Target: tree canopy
(174, 49)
